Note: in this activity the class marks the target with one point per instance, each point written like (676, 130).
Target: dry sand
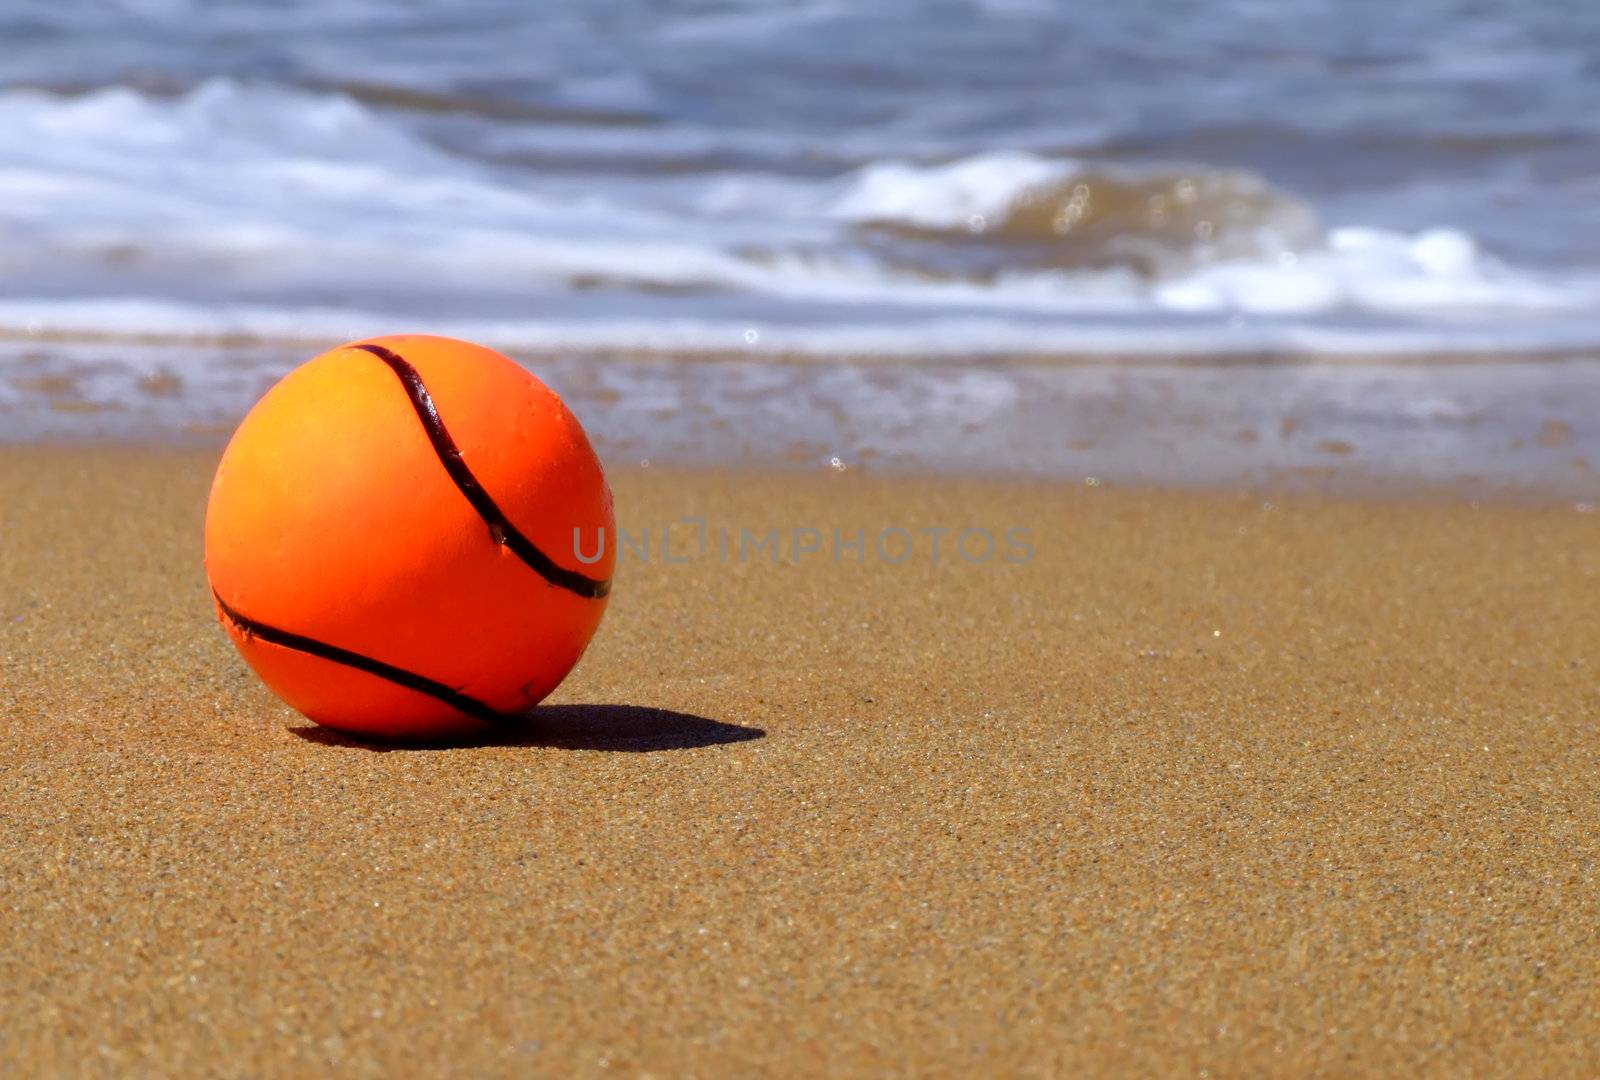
(1207, 785)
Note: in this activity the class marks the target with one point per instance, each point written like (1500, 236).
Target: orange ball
(401, 538)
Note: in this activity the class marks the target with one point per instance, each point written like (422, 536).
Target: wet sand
(1519, 427)
(1217, 782)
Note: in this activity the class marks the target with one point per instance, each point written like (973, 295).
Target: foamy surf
(270, 213)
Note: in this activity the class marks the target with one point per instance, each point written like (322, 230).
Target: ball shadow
(635, 729)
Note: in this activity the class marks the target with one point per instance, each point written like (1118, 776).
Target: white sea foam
(241, 209)
(965, 194)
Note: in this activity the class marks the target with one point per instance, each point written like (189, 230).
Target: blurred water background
(964, 195)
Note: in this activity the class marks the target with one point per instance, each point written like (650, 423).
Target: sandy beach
(1111, 573)
(1212, 784)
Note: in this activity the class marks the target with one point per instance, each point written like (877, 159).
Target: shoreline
(1310, 486)
(1165, 355)
(1517, 430)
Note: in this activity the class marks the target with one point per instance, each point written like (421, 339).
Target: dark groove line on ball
(500, 526)
(399, 676)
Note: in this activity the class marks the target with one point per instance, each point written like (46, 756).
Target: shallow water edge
(1519, 429)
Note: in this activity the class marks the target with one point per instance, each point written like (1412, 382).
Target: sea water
(898, 184)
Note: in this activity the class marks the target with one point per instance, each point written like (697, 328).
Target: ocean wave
(1063, 213)
(274, 212)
